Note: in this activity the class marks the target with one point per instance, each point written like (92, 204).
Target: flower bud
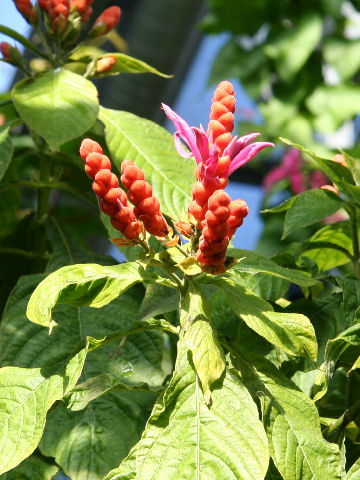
(105, 64)
(88, 146)
(106, 22)
(27, 10)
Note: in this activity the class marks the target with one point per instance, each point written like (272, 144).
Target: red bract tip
(88, 146)
(107, 21)
(44, 5)
(222, 115)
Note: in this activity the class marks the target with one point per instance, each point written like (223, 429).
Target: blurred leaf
(158, 299)
(151, 148)
(340, 102)
(291, 49)
(58, 105)
(354, 472)
(344, 55)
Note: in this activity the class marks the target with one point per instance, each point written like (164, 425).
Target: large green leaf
(26, 395)
(291, 49)
(84, 284)
(34, 467)
(25, 344)
(207, 353)
(58, 105)
(292, 422)
(186, 439)
(6, 150)
(254, 263)
(289, 331)
(151, 147)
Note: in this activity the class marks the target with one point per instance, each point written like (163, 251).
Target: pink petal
(202, 142)
(247, 154)
(237, 144)
(184, 132)
(274, 176)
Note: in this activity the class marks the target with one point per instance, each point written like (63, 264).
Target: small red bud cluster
(11, 54)
(221, 220)
(106, 22)
(112, 199)
(83, 8)
(58, 11)
(27, 10)
(222, 114)
(147, 207)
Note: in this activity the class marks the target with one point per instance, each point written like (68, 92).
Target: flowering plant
(189, 359)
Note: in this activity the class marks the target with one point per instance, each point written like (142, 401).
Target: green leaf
(337, 234)
(26, 396)
(81, 395)
(151, 147)
(6, 150)
(253, 263)
(186, 439)
(292, 423)
(291, 49)
(126, 64)
(58, 105)
(310, 207)
(34, 467)
(333, 351)
(207, 354)
(289, 331)
(354, 472)
(89, 284)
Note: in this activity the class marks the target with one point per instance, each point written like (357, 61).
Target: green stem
(44, 42)
(44, 193)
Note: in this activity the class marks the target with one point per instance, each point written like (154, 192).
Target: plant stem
(336, 430)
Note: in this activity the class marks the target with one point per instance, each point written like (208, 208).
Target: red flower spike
(27, 10)
(88, 146)
(147, 207)
(112, 199)
(214, 239)
(106, 22)
(222, 115)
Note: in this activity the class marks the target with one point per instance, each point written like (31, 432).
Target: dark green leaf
(6, 150)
